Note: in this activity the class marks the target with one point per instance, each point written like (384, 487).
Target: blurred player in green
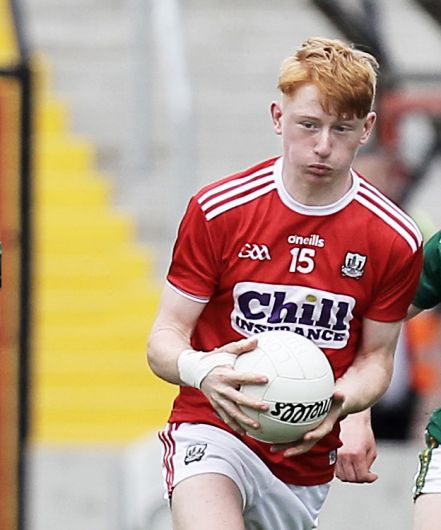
(427, 488)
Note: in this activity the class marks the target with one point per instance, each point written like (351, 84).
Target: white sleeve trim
(189, 296)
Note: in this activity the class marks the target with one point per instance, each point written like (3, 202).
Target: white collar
(325, 209)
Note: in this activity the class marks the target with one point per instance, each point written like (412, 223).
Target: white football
(299, 389)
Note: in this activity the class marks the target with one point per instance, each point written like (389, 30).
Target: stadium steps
(94, 297)
(8, 48)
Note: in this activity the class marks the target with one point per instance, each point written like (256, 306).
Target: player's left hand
(358, 452)
(309, 439)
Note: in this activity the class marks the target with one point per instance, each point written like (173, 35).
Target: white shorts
(268, 503)
(428, 477)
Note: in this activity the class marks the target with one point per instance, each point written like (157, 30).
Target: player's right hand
(221, 387)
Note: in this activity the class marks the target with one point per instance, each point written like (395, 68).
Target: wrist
(194, 366)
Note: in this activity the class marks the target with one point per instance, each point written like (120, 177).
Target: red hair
(346, 77)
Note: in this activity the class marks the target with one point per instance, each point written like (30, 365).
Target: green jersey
(434, 425)
(429, 288)
(429, 295)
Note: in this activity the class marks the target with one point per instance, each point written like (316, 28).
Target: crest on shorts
(332, 457)
(195, 453)
(353, 265)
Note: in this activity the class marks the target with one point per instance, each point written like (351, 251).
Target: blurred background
(112, 113)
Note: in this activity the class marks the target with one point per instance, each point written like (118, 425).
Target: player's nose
(322, 145)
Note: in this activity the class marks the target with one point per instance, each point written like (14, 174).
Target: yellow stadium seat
(95, 297)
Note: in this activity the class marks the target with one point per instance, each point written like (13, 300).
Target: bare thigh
(210, 501)
(427, 512)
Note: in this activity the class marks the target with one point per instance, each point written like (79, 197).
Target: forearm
(171, 334)
(364, 383)
(369, 375)
(164, 347)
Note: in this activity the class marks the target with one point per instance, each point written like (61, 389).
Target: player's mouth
(319, 169)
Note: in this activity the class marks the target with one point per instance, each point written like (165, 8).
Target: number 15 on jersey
(302, 260)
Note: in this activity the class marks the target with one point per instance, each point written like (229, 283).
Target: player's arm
(172, 358)
(362, 384)
(370, 374)
(358, 451)
(171, 333)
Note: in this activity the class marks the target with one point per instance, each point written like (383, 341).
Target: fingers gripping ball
(299, 389)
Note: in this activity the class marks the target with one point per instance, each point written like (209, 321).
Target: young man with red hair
(299, 242)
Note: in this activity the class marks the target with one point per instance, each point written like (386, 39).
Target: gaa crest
(353, 265)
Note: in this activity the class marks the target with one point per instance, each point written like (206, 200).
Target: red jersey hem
(288, 477)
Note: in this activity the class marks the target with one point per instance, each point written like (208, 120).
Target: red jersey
(259, 261)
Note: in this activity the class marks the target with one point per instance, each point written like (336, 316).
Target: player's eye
(342, 128)
(308, 124)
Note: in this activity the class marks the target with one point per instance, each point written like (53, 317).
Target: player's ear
(276, 115)
(368, 127)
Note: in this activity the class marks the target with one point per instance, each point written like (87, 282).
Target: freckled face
(317, 146)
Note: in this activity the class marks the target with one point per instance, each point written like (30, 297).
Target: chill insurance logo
(320, 316)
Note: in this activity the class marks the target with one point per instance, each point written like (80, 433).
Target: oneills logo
(313, 240)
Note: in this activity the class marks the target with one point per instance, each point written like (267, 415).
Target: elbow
(161, 360)
(152, 357)
(159, 357)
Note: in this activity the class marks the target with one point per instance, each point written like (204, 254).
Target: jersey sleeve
(428, 294)
(194, 266)
(397, 288)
